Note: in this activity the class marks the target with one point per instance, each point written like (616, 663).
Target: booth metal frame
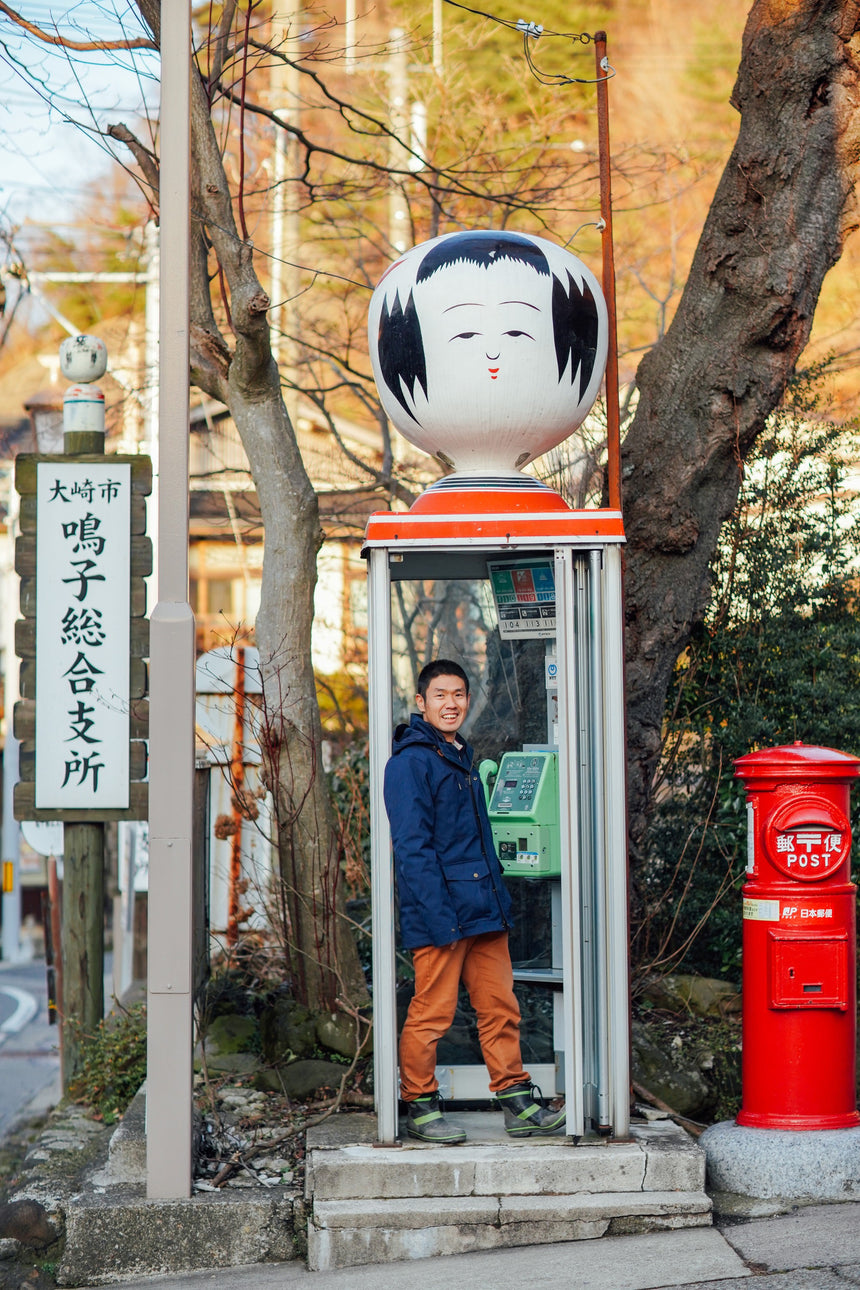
(453, 534)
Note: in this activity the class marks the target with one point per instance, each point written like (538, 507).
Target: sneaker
(425, 1121)
(525, 1114)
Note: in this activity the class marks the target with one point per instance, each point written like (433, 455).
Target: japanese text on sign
(772, 911)
(83, 553)
(809, 848)
(802, 913)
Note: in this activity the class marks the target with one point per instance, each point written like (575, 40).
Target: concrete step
(658, 1157)
(378, 1204)
(345, 1234)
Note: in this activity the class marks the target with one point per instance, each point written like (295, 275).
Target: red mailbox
(799, 958)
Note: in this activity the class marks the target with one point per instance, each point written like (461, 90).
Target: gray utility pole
(171, 736)
(398, 155)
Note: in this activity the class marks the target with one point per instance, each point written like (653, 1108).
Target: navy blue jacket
(449, 880)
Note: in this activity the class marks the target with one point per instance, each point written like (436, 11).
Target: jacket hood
(419, 731)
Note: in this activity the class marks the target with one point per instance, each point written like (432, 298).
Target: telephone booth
(526, 594)
(475, 336)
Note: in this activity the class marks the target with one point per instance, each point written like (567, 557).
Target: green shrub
(777, 659)
(113, 1064)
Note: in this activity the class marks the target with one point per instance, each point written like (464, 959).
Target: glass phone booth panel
(546, 726)
(512, 727)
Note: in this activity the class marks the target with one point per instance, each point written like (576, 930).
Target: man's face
(445, 705)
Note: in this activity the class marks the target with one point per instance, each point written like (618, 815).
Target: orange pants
(483, 963)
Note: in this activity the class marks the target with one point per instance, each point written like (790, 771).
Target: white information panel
(524, 592)
(83, 560)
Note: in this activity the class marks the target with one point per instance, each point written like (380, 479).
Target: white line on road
(26, 1007)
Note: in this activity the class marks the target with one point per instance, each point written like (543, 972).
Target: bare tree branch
(66, 42)
(144, 157)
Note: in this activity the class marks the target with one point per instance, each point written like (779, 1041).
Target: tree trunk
(322, 958)
(778, 221)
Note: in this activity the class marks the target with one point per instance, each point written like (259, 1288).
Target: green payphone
(524, 813)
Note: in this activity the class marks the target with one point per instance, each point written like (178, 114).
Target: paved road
(816, 1248)
(29, 1060)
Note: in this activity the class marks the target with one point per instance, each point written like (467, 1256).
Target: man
(454, 912)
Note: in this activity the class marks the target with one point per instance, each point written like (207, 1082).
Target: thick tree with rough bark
(785, 204)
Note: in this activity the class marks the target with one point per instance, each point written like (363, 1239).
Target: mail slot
(806, 970)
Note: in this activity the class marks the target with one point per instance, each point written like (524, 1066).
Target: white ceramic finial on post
(83, 359)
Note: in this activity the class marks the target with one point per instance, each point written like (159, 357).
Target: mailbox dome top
(797, 761)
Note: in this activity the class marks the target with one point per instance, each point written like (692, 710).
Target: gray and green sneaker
(425, 1121)
(525, 1114)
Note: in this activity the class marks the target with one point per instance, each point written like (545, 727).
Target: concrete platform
(119, 1234)
(363, 1204)
(813, 1248)
(371, 1204)
(807, 1165)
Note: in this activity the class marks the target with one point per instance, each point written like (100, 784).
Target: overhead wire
(532, 32)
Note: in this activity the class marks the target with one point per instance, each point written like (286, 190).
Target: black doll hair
(574, 313)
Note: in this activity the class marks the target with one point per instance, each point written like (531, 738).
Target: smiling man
(454, 912)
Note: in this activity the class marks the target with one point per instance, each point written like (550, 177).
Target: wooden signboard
(82, 557)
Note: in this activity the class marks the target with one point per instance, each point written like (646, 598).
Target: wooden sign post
(82, 719)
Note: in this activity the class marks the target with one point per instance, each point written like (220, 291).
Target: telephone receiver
(488, 770)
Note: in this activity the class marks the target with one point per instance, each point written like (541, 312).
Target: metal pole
(583, 845)
(613, 412)
(381, 865)
(598, 795)
(568, 743)
(618, 964)
(617, 958)
(11, 834)
(169, 1031)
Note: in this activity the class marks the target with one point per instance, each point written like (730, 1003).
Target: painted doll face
(488, 345)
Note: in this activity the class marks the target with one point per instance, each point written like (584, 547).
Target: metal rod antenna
(613, 413)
